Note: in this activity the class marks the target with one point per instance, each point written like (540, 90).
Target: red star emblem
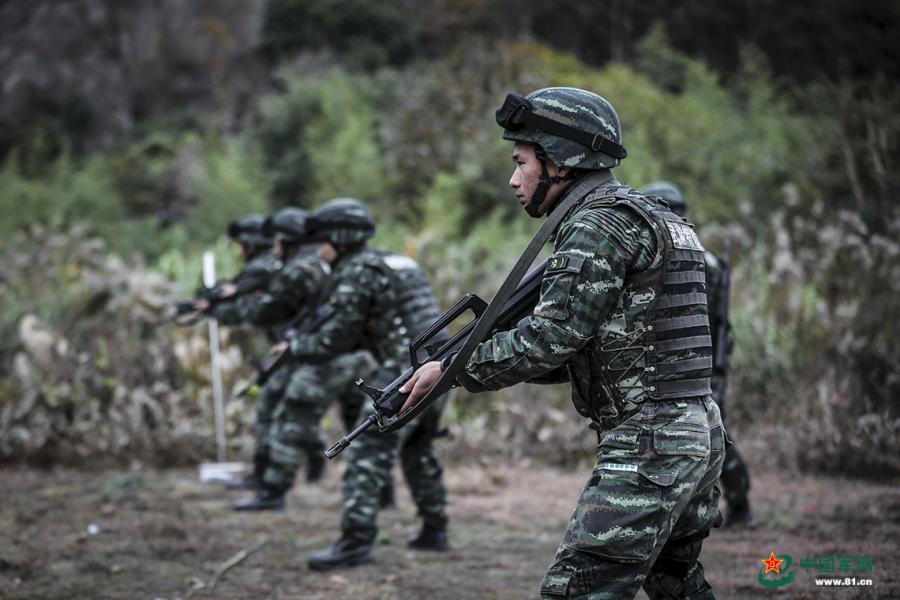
(772, 563)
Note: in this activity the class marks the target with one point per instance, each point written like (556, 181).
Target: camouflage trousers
(294, 434)
(642, 516)
(266, 402)
(735, 476)
(369, 464)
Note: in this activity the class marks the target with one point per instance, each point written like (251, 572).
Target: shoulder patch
(683, 236)
(561, 263)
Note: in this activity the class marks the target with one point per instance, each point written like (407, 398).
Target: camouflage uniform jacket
(598, 248)
(365, 316)
(292, 293)
(230, 312)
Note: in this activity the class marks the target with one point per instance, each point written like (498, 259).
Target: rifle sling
(486, 322)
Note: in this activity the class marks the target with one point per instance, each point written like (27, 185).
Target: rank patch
(564, 264)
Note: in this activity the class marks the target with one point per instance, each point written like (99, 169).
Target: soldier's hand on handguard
(278, 348)
(227, 290)
(421, 383)
(201, 305)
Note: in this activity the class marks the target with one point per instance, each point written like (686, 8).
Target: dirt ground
(163, 534)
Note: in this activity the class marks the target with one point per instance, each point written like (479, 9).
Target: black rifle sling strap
(486, 322)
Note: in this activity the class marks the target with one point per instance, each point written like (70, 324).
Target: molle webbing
(681, 360)
(687, 256)
(696, 341)
(681, 323)
(684, 366)
(677, 300)
(684, 277)
(681, 388)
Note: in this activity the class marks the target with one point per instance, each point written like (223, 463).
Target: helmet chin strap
(543, 186)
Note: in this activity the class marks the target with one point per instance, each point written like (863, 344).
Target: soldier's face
(526, 176)
(327, 252)
(278, 248)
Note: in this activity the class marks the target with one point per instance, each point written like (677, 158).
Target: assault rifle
(388, 400)
(246, 282)
(275, 360)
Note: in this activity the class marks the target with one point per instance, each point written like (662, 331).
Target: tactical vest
(413, 306)
(655, 343)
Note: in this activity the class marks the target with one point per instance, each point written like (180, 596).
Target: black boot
(252, 481)
(430, 538)
(346, 552)
(265, 499)
(315, 467)
(740, 516)
(386, 499)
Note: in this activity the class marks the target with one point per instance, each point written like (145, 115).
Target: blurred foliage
(88, 372)
(154, 193)
(364, 34)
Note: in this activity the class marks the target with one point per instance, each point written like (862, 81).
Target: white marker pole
(215, 367)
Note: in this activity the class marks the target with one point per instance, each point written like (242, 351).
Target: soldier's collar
(591, 181)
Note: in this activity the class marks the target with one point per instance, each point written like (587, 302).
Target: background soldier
(735, 476)
(260, 263)
(283, 302)
(380, 302)
(623, 316)
(290, 408)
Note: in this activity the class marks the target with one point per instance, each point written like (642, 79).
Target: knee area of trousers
(678, 557)
(583, 579)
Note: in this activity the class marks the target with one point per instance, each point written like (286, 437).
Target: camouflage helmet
(575, 128)
(248, 230)
(669, 192)
(342, 221)
(288, 225)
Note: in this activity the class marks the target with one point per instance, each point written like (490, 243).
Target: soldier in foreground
(622, 315)
(379, 302)
(735, 476)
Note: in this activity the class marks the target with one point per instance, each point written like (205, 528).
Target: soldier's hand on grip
(420, 383)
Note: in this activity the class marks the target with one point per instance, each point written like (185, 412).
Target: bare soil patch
(162, 534)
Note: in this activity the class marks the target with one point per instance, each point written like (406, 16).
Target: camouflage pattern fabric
(369, 469)
(577, 108)
(366, 316)
(266, 401)
(597, 298)
(230, 312)
(658, 465)
(735, 475)
(296, 287)
(295, 432)
(654, 482)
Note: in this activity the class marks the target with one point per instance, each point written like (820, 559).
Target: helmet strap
(544, 183)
